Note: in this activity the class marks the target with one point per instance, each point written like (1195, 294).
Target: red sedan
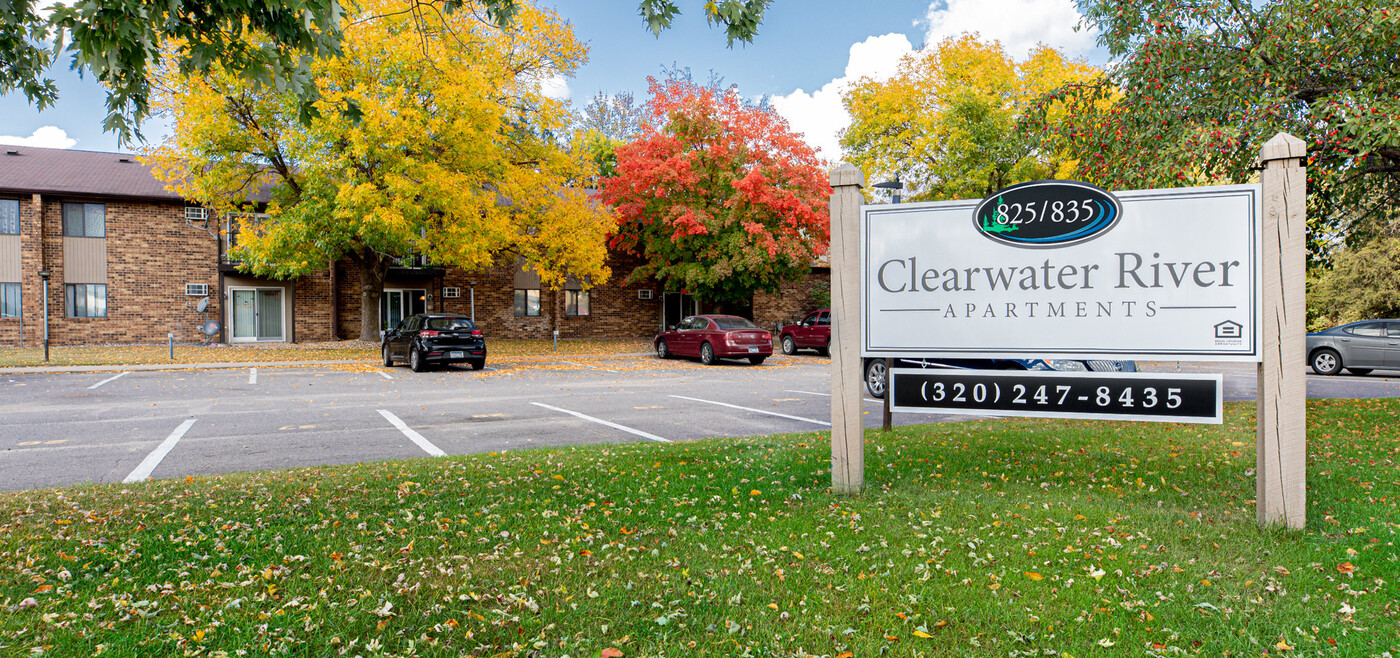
(712, 337)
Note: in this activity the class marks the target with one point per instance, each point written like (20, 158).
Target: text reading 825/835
(1118, 396)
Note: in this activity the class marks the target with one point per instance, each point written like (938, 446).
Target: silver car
(1359, 347)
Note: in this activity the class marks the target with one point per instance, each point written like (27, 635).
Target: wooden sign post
(847, 392)
(1281, 437)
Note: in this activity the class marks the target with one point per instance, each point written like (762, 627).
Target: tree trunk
(373, 271)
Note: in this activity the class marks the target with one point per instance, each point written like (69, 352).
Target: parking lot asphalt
(64, 429)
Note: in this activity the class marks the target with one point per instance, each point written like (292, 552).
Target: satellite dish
(209, 328)
(203, 304)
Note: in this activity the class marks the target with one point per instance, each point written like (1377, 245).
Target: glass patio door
(398, 303)
(257, 315)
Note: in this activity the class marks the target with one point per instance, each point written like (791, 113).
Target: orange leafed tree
(718, 195)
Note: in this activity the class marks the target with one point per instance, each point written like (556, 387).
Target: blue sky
(805, 53)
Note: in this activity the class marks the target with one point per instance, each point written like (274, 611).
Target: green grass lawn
(996, 538)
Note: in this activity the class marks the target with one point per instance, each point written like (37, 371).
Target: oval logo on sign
(1047, 213)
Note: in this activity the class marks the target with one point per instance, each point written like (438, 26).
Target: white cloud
(556, 87)
(1018, 24)
(819, 116)
(51, 137)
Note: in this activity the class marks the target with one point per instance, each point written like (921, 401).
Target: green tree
(1204, 84)
(449, 153)
(718, 195)
(739, 18)
(606, 123)
(947, 123)
(121, 42)
(1363, 283)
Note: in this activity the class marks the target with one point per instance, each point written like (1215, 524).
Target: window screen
(9, 216)
(84, 220)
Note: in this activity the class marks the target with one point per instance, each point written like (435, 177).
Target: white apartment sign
(1064, 269)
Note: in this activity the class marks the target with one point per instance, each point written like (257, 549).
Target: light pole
(894, 186)
(44, 274)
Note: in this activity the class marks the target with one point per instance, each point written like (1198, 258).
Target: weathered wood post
(1281, 438)
(847, 431)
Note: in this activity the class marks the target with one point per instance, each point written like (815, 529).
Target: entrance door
(676, 307)
(257, 315)
(398, 303)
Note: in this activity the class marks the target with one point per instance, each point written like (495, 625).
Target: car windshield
(734, 323)
(450, 324)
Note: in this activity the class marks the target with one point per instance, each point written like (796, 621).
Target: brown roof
(29, 169)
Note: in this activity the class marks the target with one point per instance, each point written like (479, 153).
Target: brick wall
(151, 254)
(312, 308)
(615, 310)
(793, 300)
(31, 304)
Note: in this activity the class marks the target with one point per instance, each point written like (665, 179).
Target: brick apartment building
(129, 262)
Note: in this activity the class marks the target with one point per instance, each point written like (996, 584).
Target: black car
(875, 374)
(435, 338)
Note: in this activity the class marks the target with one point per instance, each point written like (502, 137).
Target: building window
(527, 303)
(9, 300)
(9, 216)
(575, 302)
(86, 300)
(84, 220)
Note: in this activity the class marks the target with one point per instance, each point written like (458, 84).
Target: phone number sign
(1182, 398)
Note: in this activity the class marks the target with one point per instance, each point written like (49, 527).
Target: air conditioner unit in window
(451, 293)
(644, 294)
(196, 289)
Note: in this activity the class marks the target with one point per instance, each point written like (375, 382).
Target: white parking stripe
(252, 375)
(757, 411)
(386, 375)
(600, 421)
(149, 464)
(827, 395)
(109, 379)
(413, 436)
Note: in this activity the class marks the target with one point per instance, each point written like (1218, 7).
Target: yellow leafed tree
(948, 124)
(432, 137)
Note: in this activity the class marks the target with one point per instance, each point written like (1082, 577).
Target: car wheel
(825, 350)
(1359, 371)
(1326, 362)
(415, 360)
(662, 350)
(875, 377)
(478, 364)
(707, 355)
(757, 360)
(388, 360)
(789, 346)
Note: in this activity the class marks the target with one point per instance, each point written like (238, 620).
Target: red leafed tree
(718, 195)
